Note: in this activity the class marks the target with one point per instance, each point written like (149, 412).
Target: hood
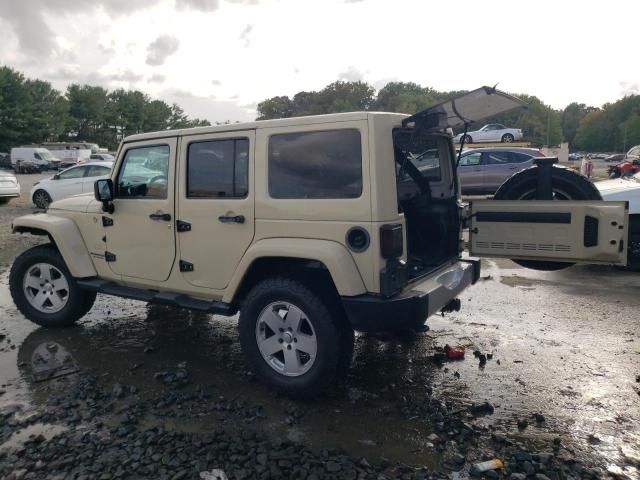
(617, 185)
(75, 203)
(621, 190)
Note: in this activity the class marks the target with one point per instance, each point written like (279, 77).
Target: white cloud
(351, 74)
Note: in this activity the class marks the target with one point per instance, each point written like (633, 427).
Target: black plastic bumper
(410, 309)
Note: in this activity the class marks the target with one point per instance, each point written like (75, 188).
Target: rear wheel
(507, 138)
(294, 338)
(565, 185)
(44, 291)
(41, 199)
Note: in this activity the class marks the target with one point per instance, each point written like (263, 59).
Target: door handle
(231, 218)
(164, 217)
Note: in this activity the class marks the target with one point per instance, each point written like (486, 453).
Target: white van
(40, 157)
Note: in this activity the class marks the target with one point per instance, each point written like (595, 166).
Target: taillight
(391, 241)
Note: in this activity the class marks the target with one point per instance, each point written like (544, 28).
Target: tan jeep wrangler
(311, 227)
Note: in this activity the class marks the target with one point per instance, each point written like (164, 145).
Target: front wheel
(44, 291)
(41, 199)
(295, 339)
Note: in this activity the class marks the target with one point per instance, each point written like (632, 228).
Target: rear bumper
(410, 309)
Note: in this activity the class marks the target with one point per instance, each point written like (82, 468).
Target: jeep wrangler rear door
(215, 205)
(549, 230)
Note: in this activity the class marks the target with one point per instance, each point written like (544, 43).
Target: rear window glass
(325, 164)
(426, 152)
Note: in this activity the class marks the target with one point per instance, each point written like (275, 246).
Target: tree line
(32, 111)
(613, 127)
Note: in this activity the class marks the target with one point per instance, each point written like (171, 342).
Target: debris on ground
(215, 474)
(482, 408)
(454, 353)
(478, 468)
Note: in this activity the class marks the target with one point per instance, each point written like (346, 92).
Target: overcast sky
(218, 58)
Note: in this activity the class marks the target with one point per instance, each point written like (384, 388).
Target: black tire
(468, 139)
(507, 138)
(78, 301)
(566, 185)
(333, 337)
(4, 200)
(41, 199)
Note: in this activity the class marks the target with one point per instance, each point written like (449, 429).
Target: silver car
(493, 132)
(483, 170)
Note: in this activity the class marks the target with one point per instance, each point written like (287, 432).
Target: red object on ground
(454, 353)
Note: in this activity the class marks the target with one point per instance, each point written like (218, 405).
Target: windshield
(46, 154)
(424, 151)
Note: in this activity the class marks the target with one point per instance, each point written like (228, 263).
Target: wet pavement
(562, 380)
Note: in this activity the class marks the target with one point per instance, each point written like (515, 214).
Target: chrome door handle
(159, 216)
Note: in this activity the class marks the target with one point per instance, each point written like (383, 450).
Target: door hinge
(109, 257)
(186, 266)
(183, 226)
(107, 222)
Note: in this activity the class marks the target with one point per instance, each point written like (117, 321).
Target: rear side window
(517, 157)
(324, 164)
(218, 169)
(497, 158)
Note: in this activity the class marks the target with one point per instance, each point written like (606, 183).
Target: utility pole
(548, 125)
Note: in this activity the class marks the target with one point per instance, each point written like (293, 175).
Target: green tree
(86, 111)
(275, 107)
(157, 116)
(571, 116)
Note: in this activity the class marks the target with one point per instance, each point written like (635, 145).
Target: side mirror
(56, 176)
(103, 191)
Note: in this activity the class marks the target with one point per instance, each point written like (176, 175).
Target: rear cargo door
(550, 230)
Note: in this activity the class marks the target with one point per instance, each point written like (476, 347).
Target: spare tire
(565, 184)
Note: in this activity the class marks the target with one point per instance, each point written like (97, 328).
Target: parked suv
(310, 227)
(483, 170)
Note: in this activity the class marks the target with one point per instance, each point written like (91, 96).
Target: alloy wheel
(286, 339)
(45, 288)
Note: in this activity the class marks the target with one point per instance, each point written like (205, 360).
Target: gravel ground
(140, 391)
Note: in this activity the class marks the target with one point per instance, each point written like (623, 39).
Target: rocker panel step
(153, 296)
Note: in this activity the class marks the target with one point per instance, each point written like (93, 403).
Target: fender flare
(333, 255)
(64, 233)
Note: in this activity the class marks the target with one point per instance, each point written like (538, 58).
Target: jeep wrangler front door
(139, 233)
(548, 230)
(215, 205)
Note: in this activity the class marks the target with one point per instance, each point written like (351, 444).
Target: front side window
(325, 164)
(470, 159)
(218, 169)
(72, 173)
(97, 171)
(144, 173)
